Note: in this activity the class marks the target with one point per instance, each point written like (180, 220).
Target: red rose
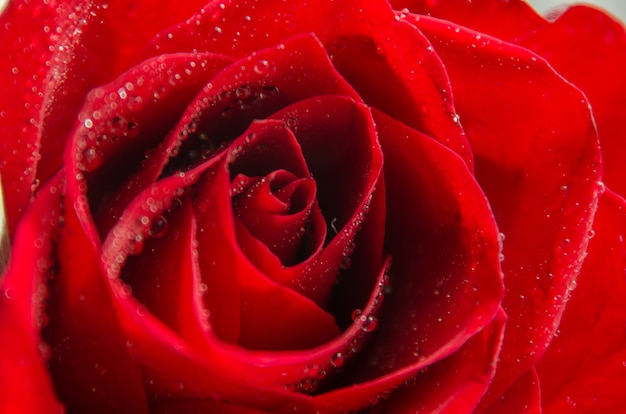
(312, 207)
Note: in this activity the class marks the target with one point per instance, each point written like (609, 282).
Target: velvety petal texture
(24, 83)
(539, 164)
(584, 44)
(587, 358)
(330, 206)
(24, 291)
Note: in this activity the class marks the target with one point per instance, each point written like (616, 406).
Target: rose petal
(537, 159)
(121, 120)
(261, 298)
(90, 364)
(504, 19)
(365, 35)
(339, 143)
(584, 365)
(164, 276)
(443, 241)
(255, 87)
(176, 367)
(41, 113)
(299, 69)
(176, 370)
(455, 384)
(282, 234)
(129, 26)
(24, 81)
(584, 44)
(77, 63)
(418, 327)
(523, 396)
(23, 294)
(588, 48)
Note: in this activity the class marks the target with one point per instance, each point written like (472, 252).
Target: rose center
(275, 210)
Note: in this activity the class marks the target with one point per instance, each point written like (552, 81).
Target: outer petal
(25, 385)
(504, 19)
(457, 383)
(588, 48)
(48, 67)
(91, 364)
(537, 158)
(523, 396)
(122, 121)
(444, 280)
(357, 35)
(584, 369)
(585, 45)
(23, 82)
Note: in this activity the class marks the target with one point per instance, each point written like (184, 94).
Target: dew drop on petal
(9, 293)
(158, 227)
(337, 360)
(261, 67)
(243, 92)
(370, 323)
(308, 385)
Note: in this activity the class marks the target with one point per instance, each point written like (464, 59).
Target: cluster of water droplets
(244, 97)
(129, 240)
(365, 322)
(350, 232)
(233, 105)
(114, 113)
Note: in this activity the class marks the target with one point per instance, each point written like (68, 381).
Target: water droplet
(570, 401)
(261, 67)
(158, 227)
(417, 350)
(136, 245)
(337, 360)
(126, 290)
(346, 263)
(132, 130)
(370, 323)
(268, 92)
(356, 314)
(292, 123)
(9, 293)
(384, 282)
(315, 372)
(243, 92)
(135, 103)
(308, 385)
(44, 350)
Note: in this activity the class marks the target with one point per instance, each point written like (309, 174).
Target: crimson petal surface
(537, 159)
(584, 365)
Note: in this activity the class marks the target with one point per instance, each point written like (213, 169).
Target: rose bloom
(312, 206)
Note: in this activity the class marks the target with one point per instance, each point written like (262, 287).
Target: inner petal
(275, 210)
